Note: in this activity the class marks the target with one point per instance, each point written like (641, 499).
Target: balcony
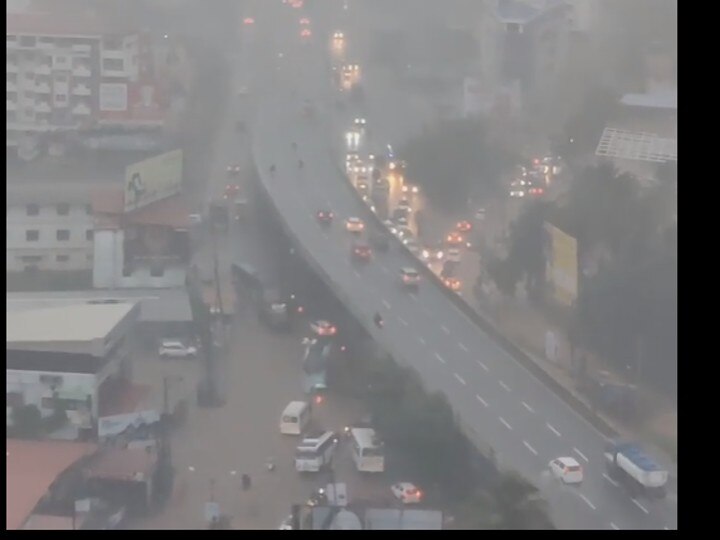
(42, 88)
(42, 69)
(81, 109)
(81, 90)
(81, 71)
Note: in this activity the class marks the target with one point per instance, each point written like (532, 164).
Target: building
(357, 517)
(49, 227)
(523, 47)
(38, 472)
(68, 71)
(66, 358)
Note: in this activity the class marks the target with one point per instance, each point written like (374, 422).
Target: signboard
(153, 179)
(561, 264)
(109, 426)
(113, 97)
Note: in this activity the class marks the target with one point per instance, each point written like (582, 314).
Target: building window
(60, 98)
(89, 235)
(157, 270)
(112, 43)
(14, 399)
(63, 209)
(47, 403)
(51, 380)
(31, 259)
(62, 258)
(113, 64)
(32, 209)
(62, 235)
(514, 28)
(32, 235)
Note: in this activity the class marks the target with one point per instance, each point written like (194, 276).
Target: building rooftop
(135, 464)
(657, 100)
(52, 193)
(35, 23)
(69, 323)
(32, 467)
(156, 305)
(636, 146)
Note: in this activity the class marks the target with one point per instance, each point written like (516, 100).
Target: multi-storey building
(64, 73)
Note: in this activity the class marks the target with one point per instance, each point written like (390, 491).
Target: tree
(511, 503)
(456, 159)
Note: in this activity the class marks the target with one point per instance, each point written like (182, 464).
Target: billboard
(561, 259)
(153, 179)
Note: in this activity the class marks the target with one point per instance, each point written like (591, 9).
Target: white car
(410, 277)
(354, 225)
(176, 349)
(323, 328)
(518, 188)
(286, 524)
(412, 246)
(407, 492)
(566, 469)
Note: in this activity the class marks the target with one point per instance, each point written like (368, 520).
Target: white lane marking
(579, 453)
(445, 329)
(386, 304)
(613, 482)
(402, 321)
(422, 341)
(589, 503)
(482, 365)
(528, 407)
(437, 355)
(614, 526)
(460, 379)
(527, 445)
(640, 506)
(505, 423)
(555, 431)
(481, 400)
(505, 386)
(463, 347)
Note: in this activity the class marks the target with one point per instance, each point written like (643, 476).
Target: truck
(630, 465)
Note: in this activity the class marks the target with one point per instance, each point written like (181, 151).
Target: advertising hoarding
(562, 265)
(153, 179)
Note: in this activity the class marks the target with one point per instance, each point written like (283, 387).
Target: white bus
(294, 418)
(367, 449)
(315, 453)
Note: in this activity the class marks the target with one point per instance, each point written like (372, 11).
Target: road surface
(501, 404)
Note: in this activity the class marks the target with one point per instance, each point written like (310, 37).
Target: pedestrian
(246, 482)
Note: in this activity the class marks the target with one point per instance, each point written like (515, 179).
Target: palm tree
(511, 503)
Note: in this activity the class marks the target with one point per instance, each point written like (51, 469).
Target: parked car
(407, 492)
(176, 349)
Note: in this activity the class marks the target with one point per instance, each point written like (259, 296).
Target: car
(323, 328)
(401, 222)
(432, 254)
(304, 21)
(359, 122)
(361, 252)
(566, 469)
(480, 214)
(463, 226)
(535, 191)
(448, 269)
(176, 349)
(407, 492)
(248, 20)
(407, 188)
(325, 217)
(400, 213)
(404, 232)
(230, 191)
(195, 219)
(518, 188)
(362, 186)
(454, 238)
(453, 254)
(305, 33)
(410, 277)
(354, 225)
(452, 283)
(233, 170)
(286, 524)
(412, 246)
(338, 35)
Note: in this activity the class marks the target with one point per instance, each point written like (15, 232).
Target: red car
(464, 226)
(362, 252)
(231, 191)
(325, 217)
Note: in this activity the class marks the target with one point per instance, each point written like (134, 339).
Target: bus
(367, 449)
(294, 418)
(315, 452)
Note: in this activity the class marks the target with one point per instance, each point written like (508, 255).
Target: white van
(294, 418)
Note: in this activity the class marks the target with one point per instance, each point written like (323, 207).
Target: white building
(62, 357)
(49, 227)
(69, 72)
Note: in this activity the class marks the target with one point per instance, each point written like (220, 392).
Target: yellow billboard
(153, 179)
(562, 265)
